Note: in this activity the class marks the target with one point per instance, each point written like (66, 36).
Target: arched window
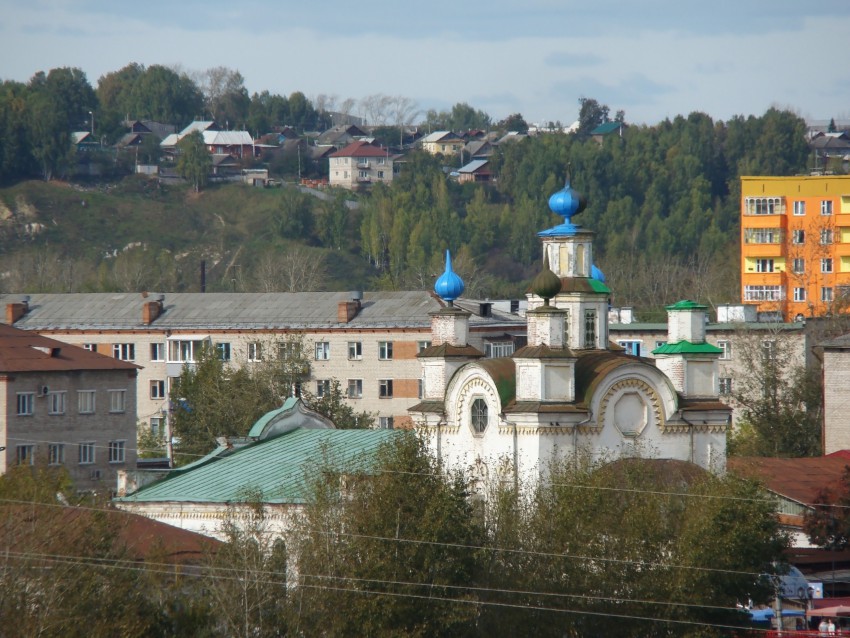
(479, 416)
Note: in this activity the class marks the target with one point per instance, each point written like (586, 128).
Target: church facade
(569, 391)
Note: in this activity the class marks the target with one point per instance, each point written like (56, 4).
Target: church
(569, 391)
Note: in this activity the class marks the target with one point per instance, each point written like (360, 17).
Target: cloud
(570, 59)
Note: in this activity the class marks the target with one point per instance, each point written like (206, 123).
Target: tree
(225, 96)
(827, 524)
(213, 399)
(194, 162)
(780, 397)
(246, 576)
(590, 115)
(394, 547)
(610, 542)
(514, 123)
(334, 405)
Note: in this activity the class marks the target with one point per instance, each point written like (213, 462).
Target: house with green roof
(274, 464)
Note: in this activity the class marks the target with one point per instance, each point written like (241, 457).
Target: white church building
(569, 390)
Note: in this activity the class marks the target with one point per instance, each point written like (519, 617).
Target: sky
(653, 59)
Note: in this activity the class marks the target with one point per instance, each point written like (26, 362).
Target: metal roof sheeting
(278, 468)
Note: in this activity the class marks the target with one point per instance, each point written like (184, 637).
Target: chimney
(16, 310)
(151, 310)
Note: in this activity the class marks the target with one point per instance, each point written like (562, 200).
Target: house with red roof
(65, 406)
(359, 165)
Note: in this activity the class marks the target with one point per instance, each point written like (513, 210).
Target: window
(768, 348)
(385, 422)
(184, 350)
(355, 350)
(826, 264)
(764, 206)
(799, 208)
(799, 294)
(117, 400)
(478, 416)
(363, 174)
(826, 207)
(157, 423)
(726, 347)
(25, 454)
(56, 402)
(798, 265)
(157, 352)
(385, 388)
(323, 387)
(380, 174)
(631, 347)
(762, 235)
(86, 453)
(157, 389)
(255, 351)
(826, 293)
(223, 350)
(55, 454)
(124, 351)
(764, 265)
(91, 347)
(116, 451)
(422, 345)
(26, 402)
(826, 236)
(385, 350)
(85, 401)
(381, 160)
(323, 351)
(589, 328)
(763, 293)
(355, 388)
(798, 236)
(725, 385)
(497, 349)
(421, 388)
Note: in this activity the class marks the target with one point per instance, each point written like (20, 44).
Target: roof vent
(356, 295)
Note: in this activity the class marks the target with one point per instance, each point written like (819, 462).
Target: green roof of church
(686, 304)
(276, 467)
(686, 347)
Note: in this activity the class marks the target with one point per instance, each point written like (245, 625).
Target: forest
(663, 199)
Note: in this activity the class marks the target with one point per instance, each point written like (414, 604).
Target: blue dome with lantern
(567, 203)
(449, 286)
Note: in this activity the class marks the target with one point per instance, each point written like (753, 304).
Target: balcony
(363, 164)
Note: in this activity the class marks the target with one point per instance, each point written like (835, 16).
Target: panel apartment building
(366, 341)
(795, 244)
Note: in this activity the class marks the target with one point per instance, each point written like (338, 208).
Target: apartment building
(62, 406)
(366, 341)
(795, 244)
(360, 164)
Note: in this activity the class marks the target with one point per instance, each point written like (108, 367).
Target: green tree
(213, 399)
(334, 405)
(590, 115)
(514, 122)
(394, 547)
(194, 162)
(781, 399)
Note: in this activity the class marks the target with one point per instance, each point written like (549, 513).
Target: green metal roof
(686, 347)
(277, 467)
(686, 304)
(263, 421)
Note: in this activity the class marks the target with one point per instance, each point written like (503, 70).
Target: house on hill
(442, 142)
(360, 164)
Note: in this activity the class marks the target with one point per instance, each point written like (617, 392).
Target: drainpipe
(575, 437)
(516, 459)
(439, 442)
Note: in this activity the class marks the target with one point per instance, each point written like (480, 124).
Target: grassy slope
(90, 221)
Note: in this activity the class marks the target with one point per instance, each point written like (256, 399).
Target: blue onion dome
(449, 286)
(596, 274)
(546, 284)
(567, 202)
